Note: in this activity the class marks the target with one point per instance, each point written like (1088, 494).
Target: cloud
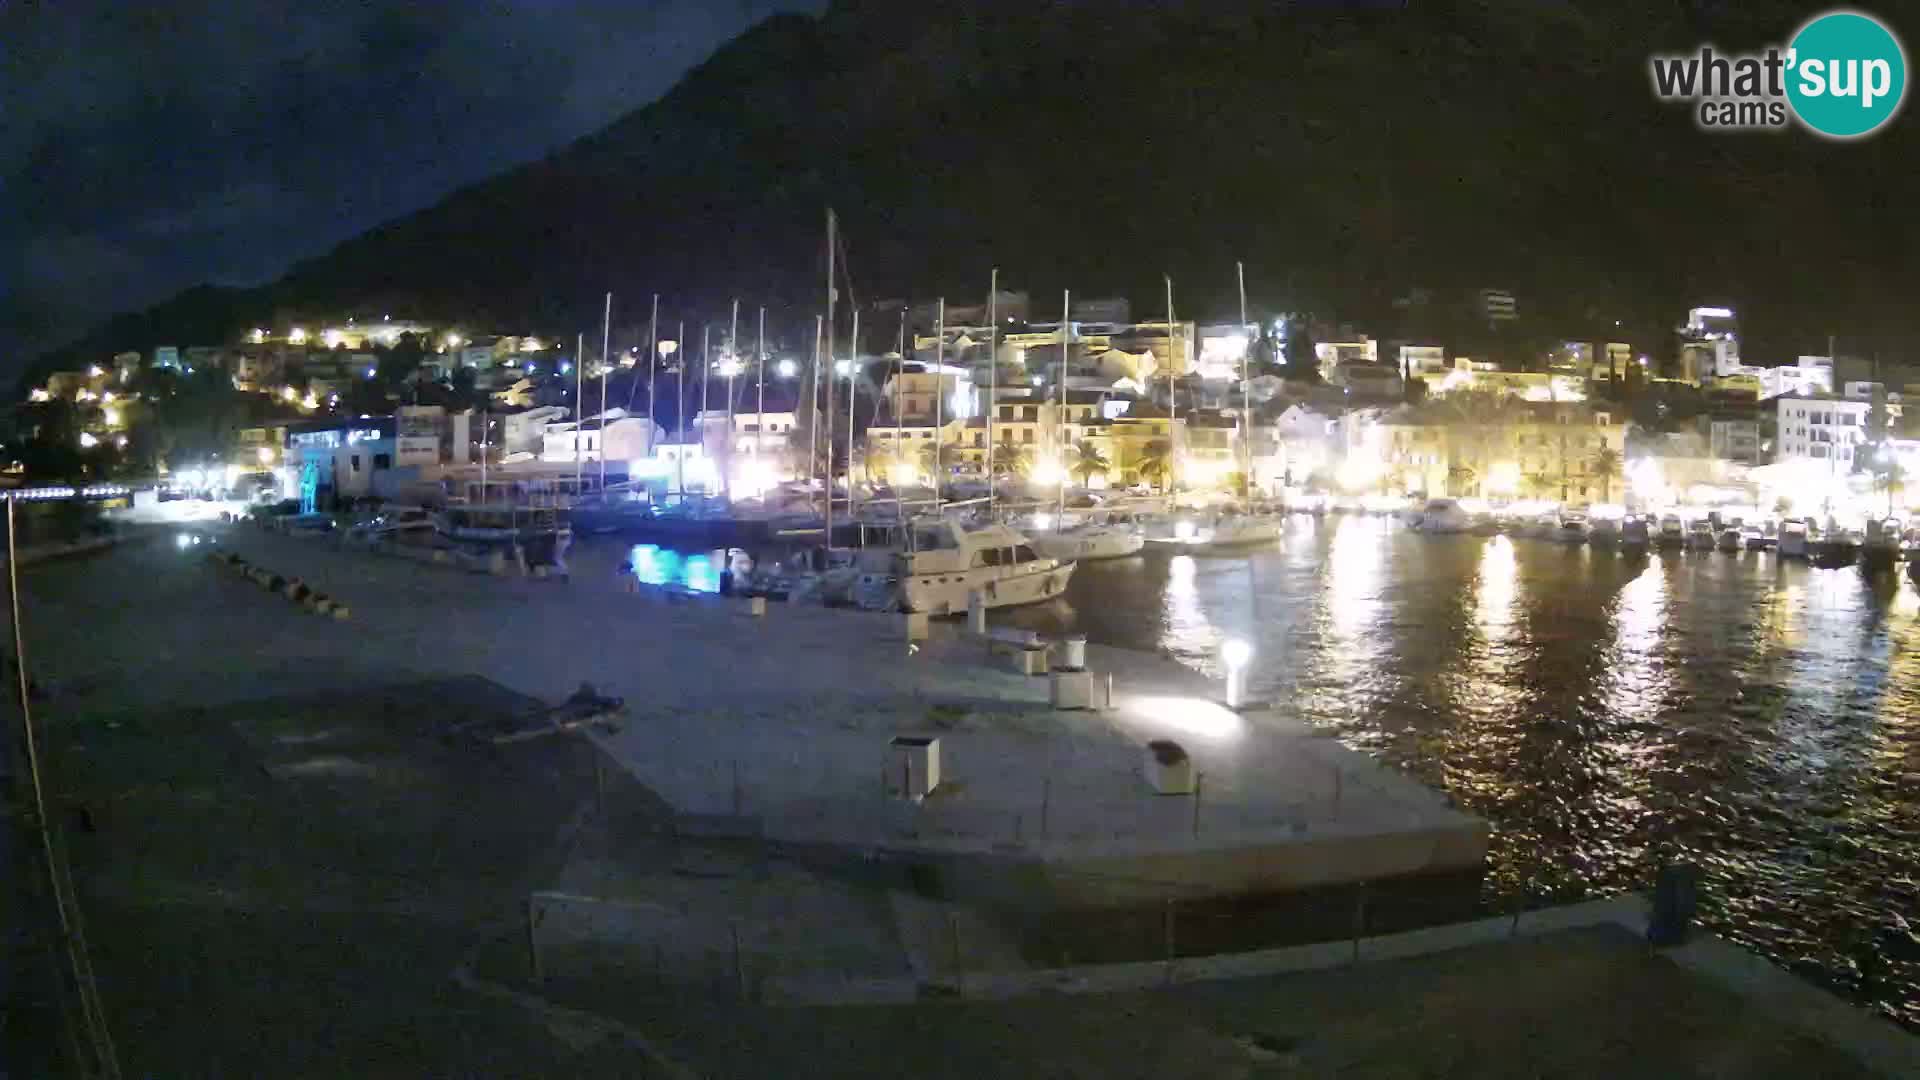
(148, 147)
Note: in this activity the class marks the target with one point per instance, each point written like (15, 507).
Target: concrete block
(1027, 661)
(1071, 690)
(1168, 769)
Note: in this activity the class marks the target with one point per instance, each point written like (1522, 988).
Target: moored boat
(1793, 543)
(1730, 540)
(1671, 533)
(1441, 516)
(944, 563)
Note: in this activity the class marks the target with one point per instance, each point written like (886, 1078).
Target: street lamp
(787, 369)
(1236, 652)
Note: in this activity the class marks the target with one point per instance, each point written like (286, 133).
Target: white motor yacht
(1442, 516)
(944, 563)
(1226, 531)
(1114, 538)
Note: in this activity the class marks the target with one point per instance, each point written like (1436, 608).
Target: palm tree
(938, 457)
(1156, 462)
(1540, 485)
(1087, 461)
(1010, 458)
(1605, 465)
(1460, 477)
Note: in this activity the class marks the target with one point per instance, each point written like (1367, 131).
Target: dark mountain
(1344, 153)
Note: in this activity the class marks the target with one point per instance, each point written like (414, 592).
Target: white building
(1824, 430)
(1737, 441)
(1806, 376)
(616, 436)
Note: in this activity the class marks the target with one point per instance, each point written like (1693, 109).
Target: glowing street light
(1236, 652)
(87, 441)
(297, 336)
(787, 369)
(265, 454)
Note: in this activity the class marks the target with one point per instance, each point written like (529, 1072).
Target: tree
(1087, 462)
(1460, 478)
(1156, 463)
(1540, 485)
(1302, 361)
(938, 458)
(397, 364)
(1010, 458)
(1606, 466)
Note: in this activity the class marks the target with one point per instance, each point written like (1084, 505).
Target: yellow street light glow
(286, 393)
(297, 335)
(87, 441)
(265, 454)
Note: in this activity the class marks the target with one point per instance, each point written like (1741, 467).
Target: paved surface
(786, 718)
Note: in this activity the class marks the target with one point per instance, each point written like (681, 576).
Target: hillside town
(1285, 407)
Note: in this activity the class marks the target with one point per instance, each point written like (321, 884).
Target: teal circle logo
(1847, 74)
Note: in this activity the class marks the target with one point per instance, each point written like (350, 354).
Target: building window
(383, 461)
(356, 462)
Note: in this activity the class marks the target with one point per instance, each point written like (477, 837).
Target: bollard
(914, 625)
(976, 613)
(756, 606)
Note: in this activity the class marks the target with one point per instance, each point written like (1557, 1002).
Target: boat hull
(950, 593)
(1087, 547)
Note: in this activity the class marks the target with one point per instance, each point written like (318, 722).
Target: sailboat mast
(853, 401)
(579, 418)
(1246, 388)
(700, 419)
(813, 408)
(1060, 401)
(606, 337)
(733, 368)
(939, 392)
(680, 408)
(760, 403)
(1173, 402)
(653, 356)
(993, 374)
(899, 375)
(832, 294)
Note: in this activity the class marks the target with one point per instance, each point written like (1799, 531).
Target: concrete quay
(779, 726)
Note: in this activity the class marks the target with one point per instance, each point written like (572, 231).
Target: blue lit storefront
(331, 462)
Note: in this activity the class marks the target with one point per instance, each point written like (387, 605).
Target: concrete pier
(786, 721)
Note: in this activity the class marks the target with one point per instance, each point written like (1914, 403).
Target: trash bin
(1073, 653)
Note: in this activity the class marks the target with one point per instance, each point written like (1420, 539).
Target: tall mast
(853, 400)
(760, 405)
(680, 407)
(579, 413)
(1060, 401)
(700, 420)
(1246, 389)
(899, 376)
(993, 374)
(833, 227)
(1173, 402)
(813, 407)
(939, 392)
(606, 337)
(733, 368)
(653, 356)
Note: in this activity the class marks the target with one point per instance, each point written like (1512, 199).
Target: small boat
(498, 523)
(1880, 549)
(1700, 536)
(944, 563)
(1442, 516)
(1237, 531)
(1833, 549)
(1671, 534)
(1793, 542)
(1910, 546)
(1573, 529)
(1604, 533)
(1730, 540)
(1113, 539)
(1755, 538)
(392, 523)
(1634, 534)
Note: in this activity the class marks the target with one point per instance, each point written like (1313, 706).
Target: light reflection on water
(1605, 712)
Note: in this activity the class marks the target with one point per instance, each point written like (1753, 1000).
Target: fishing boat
(1700, 535)
(502, 523)
(1671, 533)
(1730, 540)
(610, 511)
(1833, 549)
(392, 523)
(1573, 528)
(1604, 533)
(1755, 538)
(1793, 543)
(1634, 534)
(1880, 549)
(1442, 516)
(943, 563)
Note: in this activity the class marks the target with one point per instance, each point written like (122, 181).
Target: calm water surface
(1604, 712)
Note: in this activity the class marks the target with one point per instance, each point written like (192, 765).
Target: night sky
(149, 147)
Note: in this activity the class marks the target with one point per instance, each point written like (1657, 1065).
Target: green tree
(1460, 478)
(1010, 459)
(939, 457)
(1302, 360)
(396, 364)
(1155, 465)
(1087, 462)
(1606, 467)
